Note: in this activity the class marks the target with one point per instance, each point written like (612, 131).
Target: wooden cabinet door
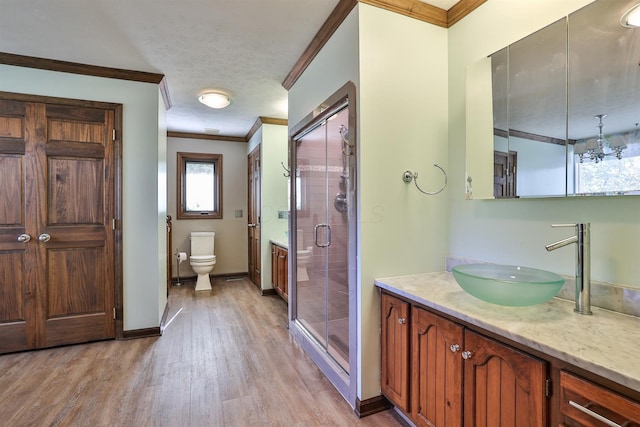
(283, 272)
(502, 386)
(274, 267)
(395, 351)
(57, 185)
(436, 370)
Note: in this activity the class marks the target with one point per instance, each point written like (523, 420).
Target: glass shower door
(322, 232)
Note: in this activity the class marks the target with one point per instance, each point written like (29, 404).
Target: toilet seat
(202, 259)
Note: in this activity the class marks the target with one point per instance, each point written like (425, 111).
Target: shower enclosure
(323, 223)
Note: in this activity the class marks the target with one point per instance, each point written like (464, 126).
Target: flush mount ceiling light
(631, 18)
(215, 99)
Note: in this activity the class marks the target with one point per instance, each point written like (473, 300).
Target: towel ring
(407, 176)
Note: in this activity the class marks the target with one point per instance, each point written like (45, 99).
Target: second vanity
(449, 359)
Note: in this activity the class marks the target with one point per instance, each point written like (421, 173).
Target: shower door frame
(345, 383)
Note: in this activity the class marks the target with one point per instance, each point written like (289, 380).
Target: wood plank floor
(227, 359)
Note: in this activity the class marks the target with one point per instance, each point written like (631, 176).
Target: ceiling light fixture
(631, 18)
(215, 99)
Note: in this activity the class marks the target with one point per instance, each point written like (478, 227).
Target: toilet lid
(202, 258)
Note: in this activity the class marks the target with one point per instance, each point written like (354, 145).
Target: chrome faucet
(582, 239)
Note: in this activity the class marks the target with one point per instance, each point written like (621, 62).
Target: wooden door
(395, 351)
(57, 187)
(436, 380)
(253, 216)
(502, 386)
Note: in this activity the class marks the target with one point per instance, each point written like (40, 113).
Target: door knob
(454, 348)
(466, 355)
(24, 238)
(44, 237)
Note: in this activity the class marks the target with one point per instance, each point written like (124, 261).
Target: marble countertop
(280, 242)
(605, 343)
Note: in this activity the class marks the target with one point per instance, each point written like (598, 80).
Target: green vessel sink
(508, 284)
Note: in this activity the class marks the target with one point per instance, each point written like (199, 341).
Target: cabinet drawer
(586, 404)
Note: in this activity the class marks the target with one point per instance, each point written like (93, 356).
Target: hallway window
(199, 186)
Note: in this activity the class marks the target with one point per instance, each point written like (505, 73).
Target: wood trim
(531, 136)
(267, 292)
(337, 16)
(273, 121)
(189, 135)
(462, 9)
(371, 406)
(413, 9)
(164, 91)
(118, 241)
(77, 68)
(141, 333)
(257, 125)
(264, 121)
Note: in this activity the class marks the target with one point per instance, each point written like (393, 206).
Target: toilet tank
(202, 242)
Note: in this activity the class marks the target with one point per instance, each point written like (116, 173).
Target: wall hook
(287, 174)
(407, 176)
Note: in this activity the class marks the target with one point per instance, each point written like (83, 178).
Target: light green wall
(162, 206)
(403, 125)
(273, 150)
(515, 231)
(143, 236)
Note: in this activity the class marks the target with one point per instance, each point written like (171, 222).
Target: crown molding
(190, 135)
(76, 68)
(265, 121)
(411, 8)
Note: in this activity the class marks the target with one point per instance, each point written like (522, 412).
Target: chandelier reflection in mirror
(596, 149)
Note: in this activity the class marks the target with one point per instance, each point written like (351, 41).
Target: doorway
(323, 270)
(58, 249)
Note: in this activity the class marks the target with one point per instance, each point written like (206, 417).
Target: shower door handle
(315, 235)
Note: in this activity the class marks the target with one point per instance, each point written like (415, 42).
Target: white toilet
(304, 255)
(202, 258)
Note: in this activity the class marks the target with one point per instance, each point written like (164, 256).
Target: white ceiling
(245, 47)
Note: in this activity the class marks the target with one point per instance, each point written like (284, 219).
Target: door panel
(437, 370)
(17, 304)
(56, 184)
(502, 386)
(79, 209)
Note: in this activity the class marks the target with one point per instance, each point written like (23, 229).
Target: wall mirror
(563, 106)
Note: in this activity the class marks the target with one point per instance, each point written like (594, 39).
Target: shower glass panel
(323, 160)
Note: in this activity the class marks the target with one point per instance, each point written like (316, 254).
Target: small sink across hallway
(508, 284)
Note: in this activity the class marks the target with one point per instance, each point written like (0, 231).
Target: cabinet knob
(466, 355)
(454, 348)
(44, 237)
(402, 320)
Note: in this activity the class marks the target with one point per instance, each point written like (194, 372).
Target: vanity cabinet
(456, 376)
(585, 404)
(280, 270)
(395, 355)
